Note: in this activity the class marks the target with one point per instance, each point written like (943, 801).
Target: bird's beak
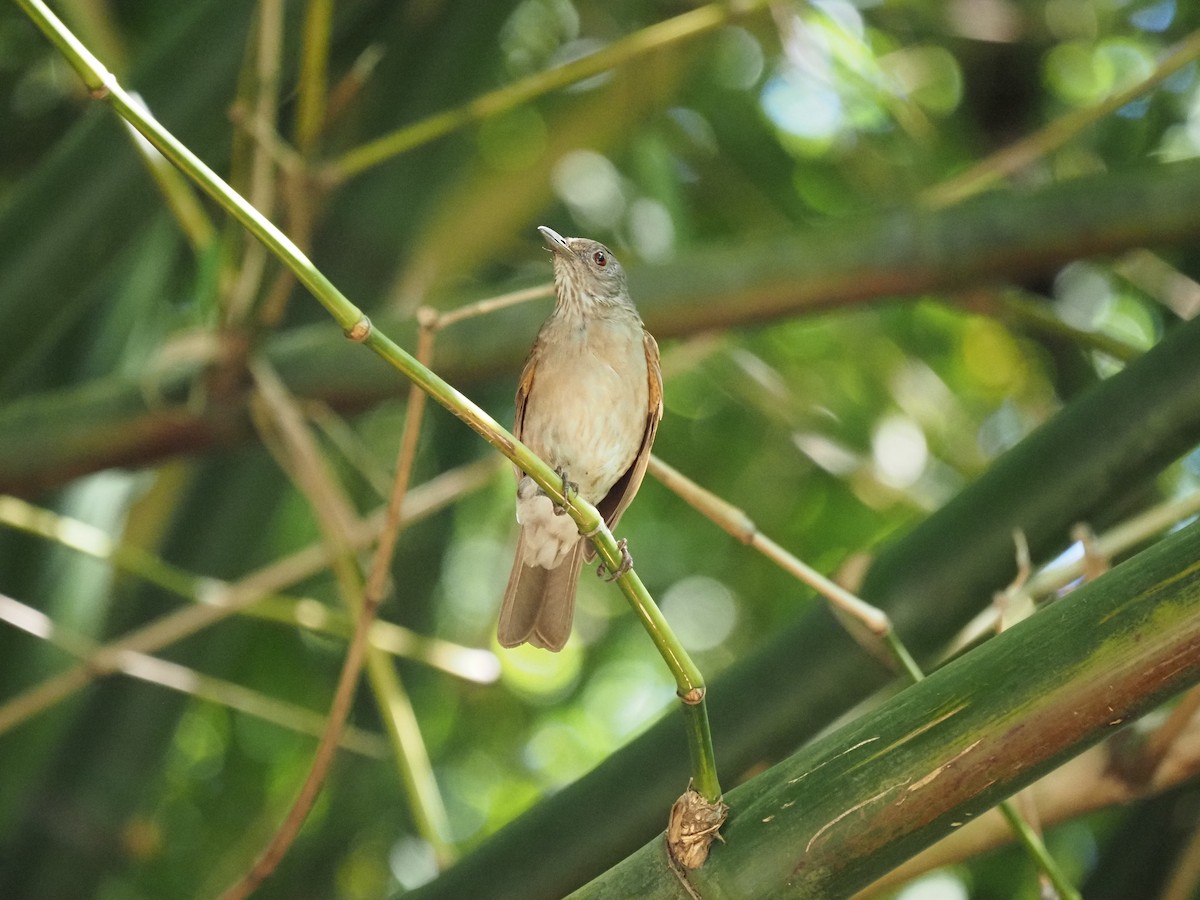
(555, 241)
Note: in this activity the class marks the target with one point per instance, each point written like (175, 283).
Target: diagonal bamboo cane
(690, 686)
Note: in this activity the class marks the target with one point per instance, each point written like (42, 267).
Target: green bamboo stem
(357, 326)
(876, 625)
(851, 805)
(704, 772)
(1028, 837)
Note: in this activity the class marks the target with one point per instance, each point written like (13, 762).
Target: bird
(588, 403)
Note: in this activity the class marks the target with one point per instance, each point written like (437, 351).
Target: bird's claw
(568, 487)
(625, 566)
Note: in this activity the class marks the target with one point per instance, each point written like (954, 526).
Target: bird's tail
(539, 604)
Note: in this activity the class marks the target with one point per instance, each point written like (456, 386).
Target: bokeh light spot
(590, 185)
(899, 450)
(651, 230)
(991, 356)
(701, 610)
(940, 885)
(539, 675)
(413, 862)
(803, 107)
(738, 59)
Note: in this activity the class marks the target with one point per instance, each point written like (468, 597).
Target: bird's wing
(621, 494)
(524, 386)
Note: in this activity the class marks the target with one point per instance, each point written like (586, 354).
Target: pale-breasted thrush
(589, 403)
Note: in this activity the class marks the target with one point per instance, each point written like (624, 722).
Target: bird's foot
(568, 487)
(625, 566)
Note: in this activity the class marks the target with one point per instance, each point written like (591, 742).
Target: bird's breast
(587, 406)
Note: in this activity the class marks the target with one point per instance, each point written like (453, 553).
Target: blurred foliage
(834, 431)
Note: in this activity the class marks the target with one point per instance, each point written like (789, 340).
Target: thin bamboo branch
(867, 624)
(463, 662)
(219, 600)
(175, 677)
(486, 306)
(335, 516)
(261, 190)
(314, 74)
(683, 27)
(1054, 135)
(1112, 544)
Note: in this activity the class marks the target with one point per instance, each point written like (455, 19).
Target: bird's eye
(600, 259)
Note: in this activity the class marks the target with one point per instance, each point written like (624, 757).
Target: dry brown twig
(335, 516)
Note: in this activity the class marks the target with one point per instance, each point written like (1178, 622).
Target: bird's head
(585, 271)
